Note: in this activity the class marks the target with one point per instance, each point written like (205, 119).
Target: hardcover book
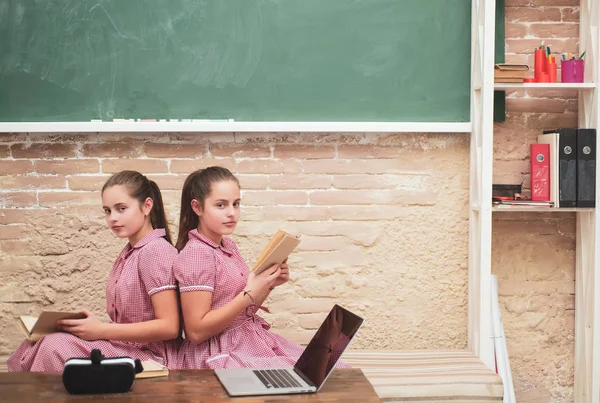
(152, 369)
(510, 73)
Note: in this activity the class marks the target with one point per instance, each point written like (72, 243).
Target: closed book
(540, 172)
(567, 166)
(510, 70)
(552, 139)
(152, 369)
(586, 167)
(509, 79)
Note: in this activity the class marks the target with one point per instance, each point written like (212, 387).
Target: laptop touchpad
(244, 381)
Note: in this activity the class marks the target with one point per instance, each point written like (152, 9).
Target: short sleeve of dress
(156, 266)
(195, 268)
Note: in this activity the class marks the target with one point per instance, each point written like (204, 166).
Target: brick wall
(384, 222)
(534, 254)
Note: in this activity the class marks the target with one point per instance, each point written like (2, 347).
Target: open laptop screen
(328, 344)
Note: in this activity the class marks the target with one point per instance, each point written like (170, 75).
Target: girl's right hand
(259, 285)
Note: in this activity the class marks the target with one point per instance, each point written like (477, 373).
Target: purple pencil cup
(571, 71)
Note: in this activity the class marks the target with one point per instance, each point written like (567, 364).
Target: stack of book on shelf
(563, 168)
(510, 73)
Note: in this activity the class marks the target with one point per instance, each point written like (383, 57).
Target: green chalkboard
(248, 60)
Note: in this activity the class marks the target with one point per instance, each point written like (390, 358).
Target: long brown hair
(198, 186)
(140, 188)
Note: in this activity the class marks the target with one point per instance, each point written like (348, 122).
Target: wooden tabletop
(344, 385)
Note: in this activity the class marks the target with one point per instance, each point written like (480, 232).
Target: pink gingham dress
(204, 265)
(139, 273)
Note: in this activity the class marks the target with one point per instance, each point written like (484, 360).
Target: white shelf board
(512, 209)
(544, 86)
(230, 126)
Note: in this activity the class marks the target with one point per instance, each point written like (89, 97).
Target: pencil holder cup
(571, 71)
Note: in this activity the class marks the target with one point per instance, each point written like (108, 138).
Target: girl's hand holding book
(284, 276)
(259, 285)
(90, 328)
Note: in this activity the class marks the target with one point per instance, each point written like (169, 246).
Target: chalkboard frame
(216, 127)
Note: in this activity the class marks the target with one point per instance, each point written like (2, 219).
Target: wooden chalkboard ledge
(226, 126)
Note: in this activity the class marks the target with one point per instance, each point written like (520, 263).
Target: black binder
(586, 168)
(567, 166)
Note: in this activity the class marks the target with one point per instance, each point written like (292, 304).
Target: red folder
(540, 172)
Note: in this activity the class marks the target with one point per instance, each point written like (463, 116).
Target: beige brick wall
(534, 254)
(384, 220)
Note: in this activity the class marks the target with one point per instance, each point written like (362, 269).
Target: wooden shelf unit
(521, 209)
(544, 86)
(587, 270)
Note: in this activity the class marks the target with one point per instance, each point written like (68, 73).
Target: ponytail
(141, 188)
(158, 217)
(198, 186)
(188, 220)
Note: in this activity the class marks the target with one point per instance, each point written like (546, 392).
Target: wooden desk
(344, 385)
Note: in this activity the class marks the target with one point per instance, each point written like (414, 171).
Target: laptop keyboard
(276, 378)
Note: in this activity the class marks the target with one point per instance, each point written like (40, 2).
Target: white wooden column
(587, 275)
(480, 216)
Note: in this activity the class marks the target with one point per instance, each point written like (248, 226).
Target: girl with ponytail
(141, 295)
(219, 296)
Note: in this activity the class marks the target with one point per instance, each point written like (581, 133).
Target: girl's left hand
(284, 276)
(90, 328)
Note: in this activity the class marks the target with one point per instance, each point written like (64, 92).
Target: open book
(276, 251)
(35, 327)
(152, 369)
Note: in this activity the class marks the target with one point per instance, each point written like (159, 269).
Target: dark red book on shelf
(540, 172)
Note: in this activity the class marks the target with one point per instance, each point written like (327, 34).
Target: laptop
(310, 371)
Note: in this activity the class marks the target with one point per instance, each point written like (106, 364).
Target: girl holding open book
(219, 296)
(141, 295)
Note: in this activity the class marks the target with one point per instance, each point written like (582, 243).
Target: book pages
(37, 327)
